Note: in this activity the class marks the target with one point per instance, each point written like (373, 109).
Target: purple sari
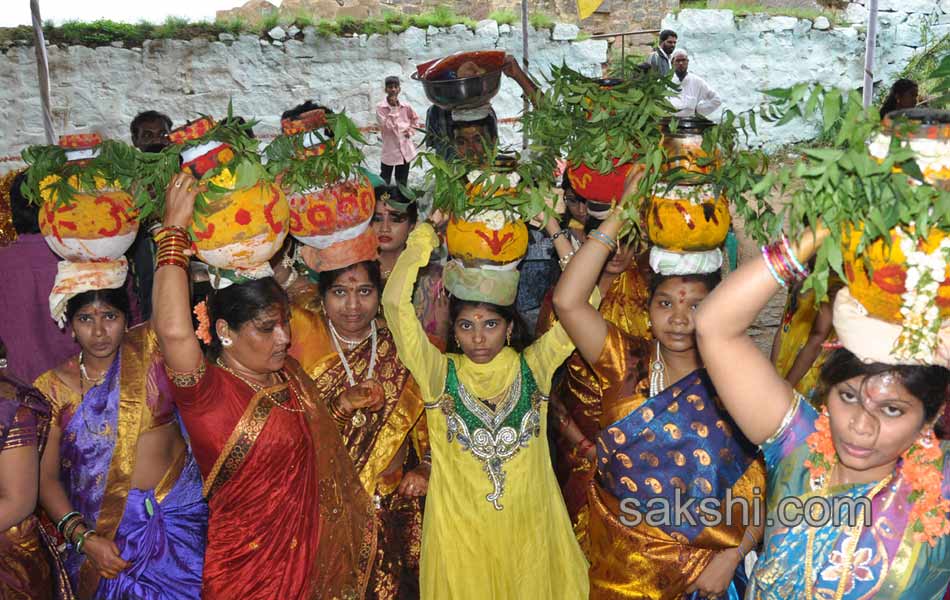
(161, 534)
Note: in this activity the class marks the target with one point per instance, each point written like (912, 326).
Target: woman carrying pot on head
(663, 440)
(872, 443)
(30, 567)
(289, 518)
(395, 216)
(576, 397)
(495, 524)
(117, 476)
(351, 357)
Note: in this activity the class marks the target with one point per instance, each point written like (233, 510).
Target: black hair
(241, 303)
(307, 106)
(667, 33)
(3, 349)
(710, 280)
(390, 80)
(929, 384)
(901, 86)
(148, 115)
(519, 331)
(412, 210)
(25, 215)
(328, 278)
(116, 298)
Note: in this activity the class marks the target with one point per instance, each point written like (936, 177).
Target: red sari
(289, 518)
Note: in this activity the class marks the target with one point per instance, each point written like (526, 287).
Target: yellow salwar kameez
(519, 544)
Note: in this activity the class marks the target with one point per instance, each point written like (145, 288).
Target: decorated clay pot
(600, 187)
(243, 229)
(684, 147)
(244, 225)
(488, 237)
(333, 213)
(928, 133)
(688, 219)
(879, 289)
(95, 225)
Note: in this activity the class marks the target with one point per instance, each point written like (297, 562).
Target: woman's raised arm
(754, 393)
(171, 318)
(583, 323)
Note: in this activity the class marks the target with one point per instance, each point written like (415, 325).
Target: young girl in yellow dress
(495, 525)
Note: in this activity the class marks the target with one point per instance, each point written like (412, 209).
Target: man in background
(661, 60)
(149, 131)
(695, 97)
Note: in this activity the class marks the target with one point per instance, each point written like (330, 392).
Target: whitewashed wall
(104, 88)
(741, 56)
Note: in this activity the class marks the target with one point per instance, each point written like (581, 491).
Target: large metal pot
(469, 92)
(684, 146)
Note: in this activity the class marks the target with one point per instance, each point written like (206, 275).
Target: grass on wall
(104, 32)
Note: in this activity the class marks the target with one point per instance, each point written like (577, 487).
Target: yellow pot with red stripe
(877, 276)
(243, 226)
(688, 219)
(96, 224)
(488, 237)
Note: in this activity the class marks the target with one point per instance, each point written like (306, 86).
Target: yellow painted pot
(243, 229)
(688, 219)
(879, 289)
(487, 238)
(95, 225)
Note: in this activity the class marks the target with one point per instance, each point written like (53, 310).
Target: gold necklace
(259, 388)
(849, 551)
(85, 374)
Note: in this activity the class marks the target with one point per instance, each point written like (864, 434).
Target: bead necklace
(85, 374)
(850, 547)
(348, 341)
(359, 417)
(657, 373)
(258, 388)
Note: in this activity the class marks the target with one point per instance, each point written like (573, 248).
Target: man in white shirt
(695, 97)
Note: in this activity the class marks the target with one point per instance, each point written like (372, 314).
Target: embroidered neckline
(492, 436)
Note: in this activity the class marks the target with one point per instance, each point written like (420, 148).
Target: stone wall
(102, 89)
(741, 56)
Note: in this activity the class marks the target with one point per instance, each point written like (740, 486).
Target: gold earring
(508, 337)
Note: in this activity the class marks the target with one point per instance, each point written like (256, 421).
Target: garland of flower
(920, 466)
(921, 316)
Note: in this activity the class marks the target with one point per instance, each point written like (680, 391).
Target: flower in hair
(203, 332)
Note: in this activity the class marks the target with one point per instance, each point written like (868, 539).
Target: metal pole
(42, 69)
(869, 53)
(524, 63)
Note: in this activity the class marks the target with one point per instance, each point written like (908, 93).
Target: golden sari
(29, 565)
(680, 448)
(390, 444)
(579, 390)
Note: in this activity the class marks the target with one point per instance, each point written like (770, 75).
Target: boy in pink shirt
(396, 122)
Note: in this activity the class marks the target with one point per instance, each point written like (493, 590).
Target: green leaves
(339, 160)
(842, 184)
